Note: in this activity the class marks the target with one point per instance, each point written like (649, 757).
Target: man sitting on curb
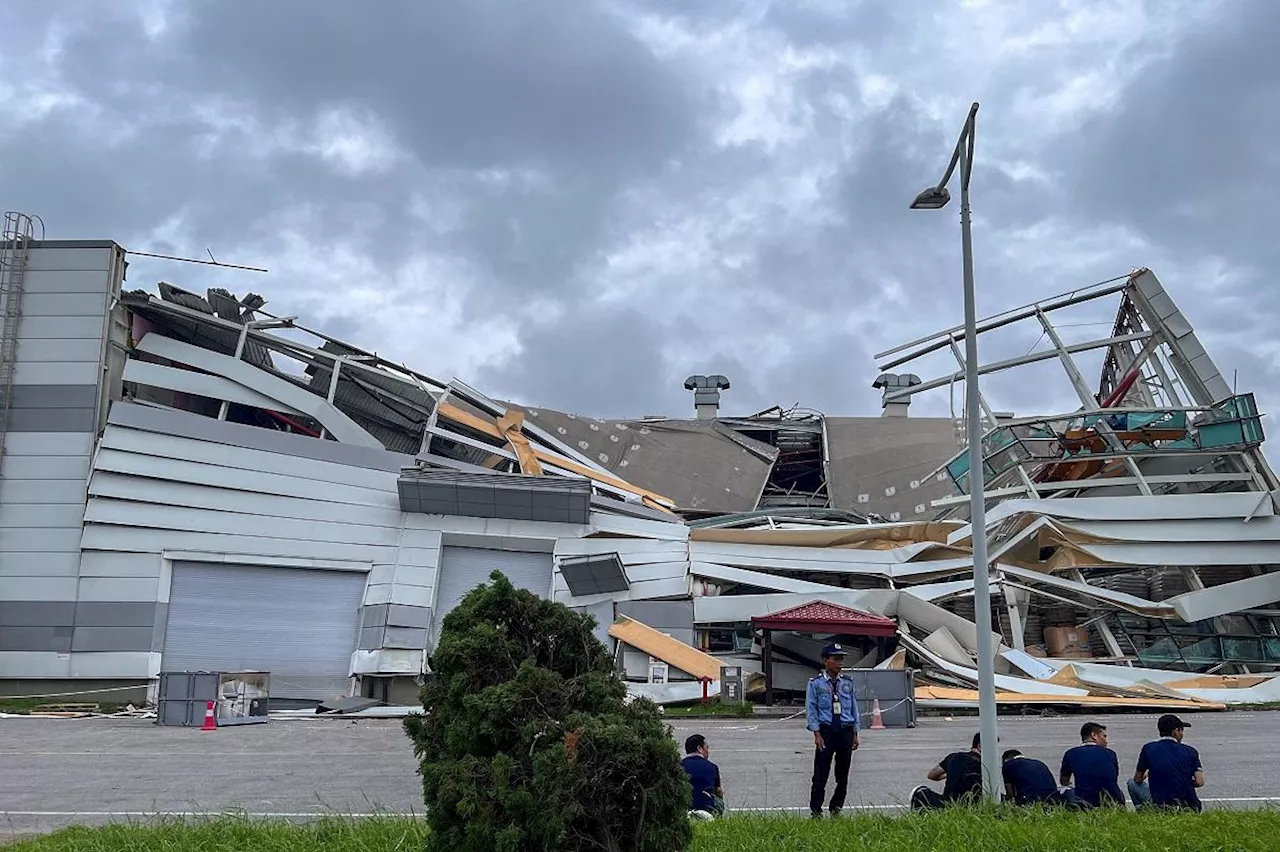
(1028, 781)
(1174, 769)
(962, 770)
(704, 778)
(1094, 768)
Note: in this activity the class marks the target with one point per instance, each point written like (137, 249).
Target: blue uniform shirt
(1172, 766)
(820, 699)
(1031, 780)
(1096, 772)
(704, 778)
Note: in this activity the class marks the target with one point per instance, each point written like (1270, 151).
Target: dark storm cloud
(561, 176)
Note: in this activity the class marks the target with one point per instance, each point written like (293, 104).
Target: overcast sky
(577, 204)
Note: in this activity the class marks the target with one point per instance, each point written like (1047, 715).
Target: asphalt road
(62, 772)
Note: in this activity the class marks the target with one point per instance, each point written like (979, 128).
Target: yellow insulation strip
(671, 651)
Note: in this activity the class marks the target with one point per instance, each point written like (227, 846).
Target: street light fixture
(935, 198)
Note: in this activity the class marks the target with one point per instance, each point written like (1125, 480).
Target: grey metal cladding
(52, 420)
(149, 419)
(406, 615)
(112, 639)
(116, 614)
(37, 614)
(373, 615)
(371, 638)
(594, 574)
(54, 396)
(409, 638)
(35, 638)
(659, 614)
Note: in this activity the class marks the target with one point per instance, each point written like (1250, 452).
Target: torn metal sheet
(1129, 603)
(939, 697)
(680, 692)
(699, 465)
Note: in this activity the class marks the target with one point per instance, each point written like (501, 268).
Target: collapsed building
(192, 482)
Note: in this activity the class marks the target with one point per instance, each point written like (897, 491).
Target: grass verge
(1114, 831)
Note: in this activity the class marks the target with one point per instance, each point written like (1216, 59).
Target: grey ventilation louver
(595, 574)
(436, 491)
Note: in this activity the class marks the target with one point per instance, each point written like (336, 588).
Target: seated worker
(1028, 781)
(1173, 767)
(1094, 768)
(962, 770)
(704, 776)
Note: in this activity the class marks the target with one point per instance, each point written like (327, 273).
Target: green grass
(1114, 831)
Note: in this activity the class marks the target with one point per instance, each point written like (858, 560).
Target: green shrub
(526, 744)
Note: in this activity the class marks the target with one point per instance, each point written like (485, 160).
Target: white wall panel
(109, 511)
(48, 444)
(136, 666)
(58, 327)
(118, 589)
(27, 540)
(45, 373)
(251, 481)
(54, 515)
(155, 491)
(411, 595)
(335, 421)
(39, 565)
(66, 305)
(243, 458)
(35, 664)
(110, 537)
(41, 491)
(37, 588)
(201, 384)
(71, 259)
(44, 467)
(60, 351)
(94, 563)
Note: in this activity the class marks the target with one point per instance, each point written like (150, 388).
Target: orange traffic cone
(877, 721)
(210, 723)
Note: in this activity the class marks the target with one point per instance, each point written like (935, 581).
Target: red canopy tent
(817, 617)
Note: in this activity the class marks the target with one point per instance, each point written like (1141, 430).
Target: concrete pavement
(61, 772)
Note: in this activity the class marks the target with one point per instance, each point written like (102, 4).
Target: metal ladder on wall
(15, 240)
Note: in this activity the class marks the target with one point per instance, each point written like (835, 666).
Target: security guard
(832, 713)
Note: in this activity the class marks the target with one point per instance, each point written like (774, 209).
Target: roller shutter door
(464, 568)
(300, 625)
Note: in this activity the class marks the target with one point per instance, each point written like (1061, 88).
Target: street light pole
(935, 198)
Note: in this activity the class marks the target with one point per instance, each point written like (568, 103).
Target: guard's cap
(832, 650)
(1168, 723)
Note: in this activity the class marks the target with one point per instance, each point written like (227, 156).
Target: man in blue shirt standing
(1172, 767)
(1094, 768)
(704, 776)
(832, 714)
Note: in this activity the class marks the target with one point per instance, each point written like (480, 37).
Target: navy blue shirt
(1031, 779)
(1095, 771)
(1171, 766)
(704, 777)
(964, 776)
